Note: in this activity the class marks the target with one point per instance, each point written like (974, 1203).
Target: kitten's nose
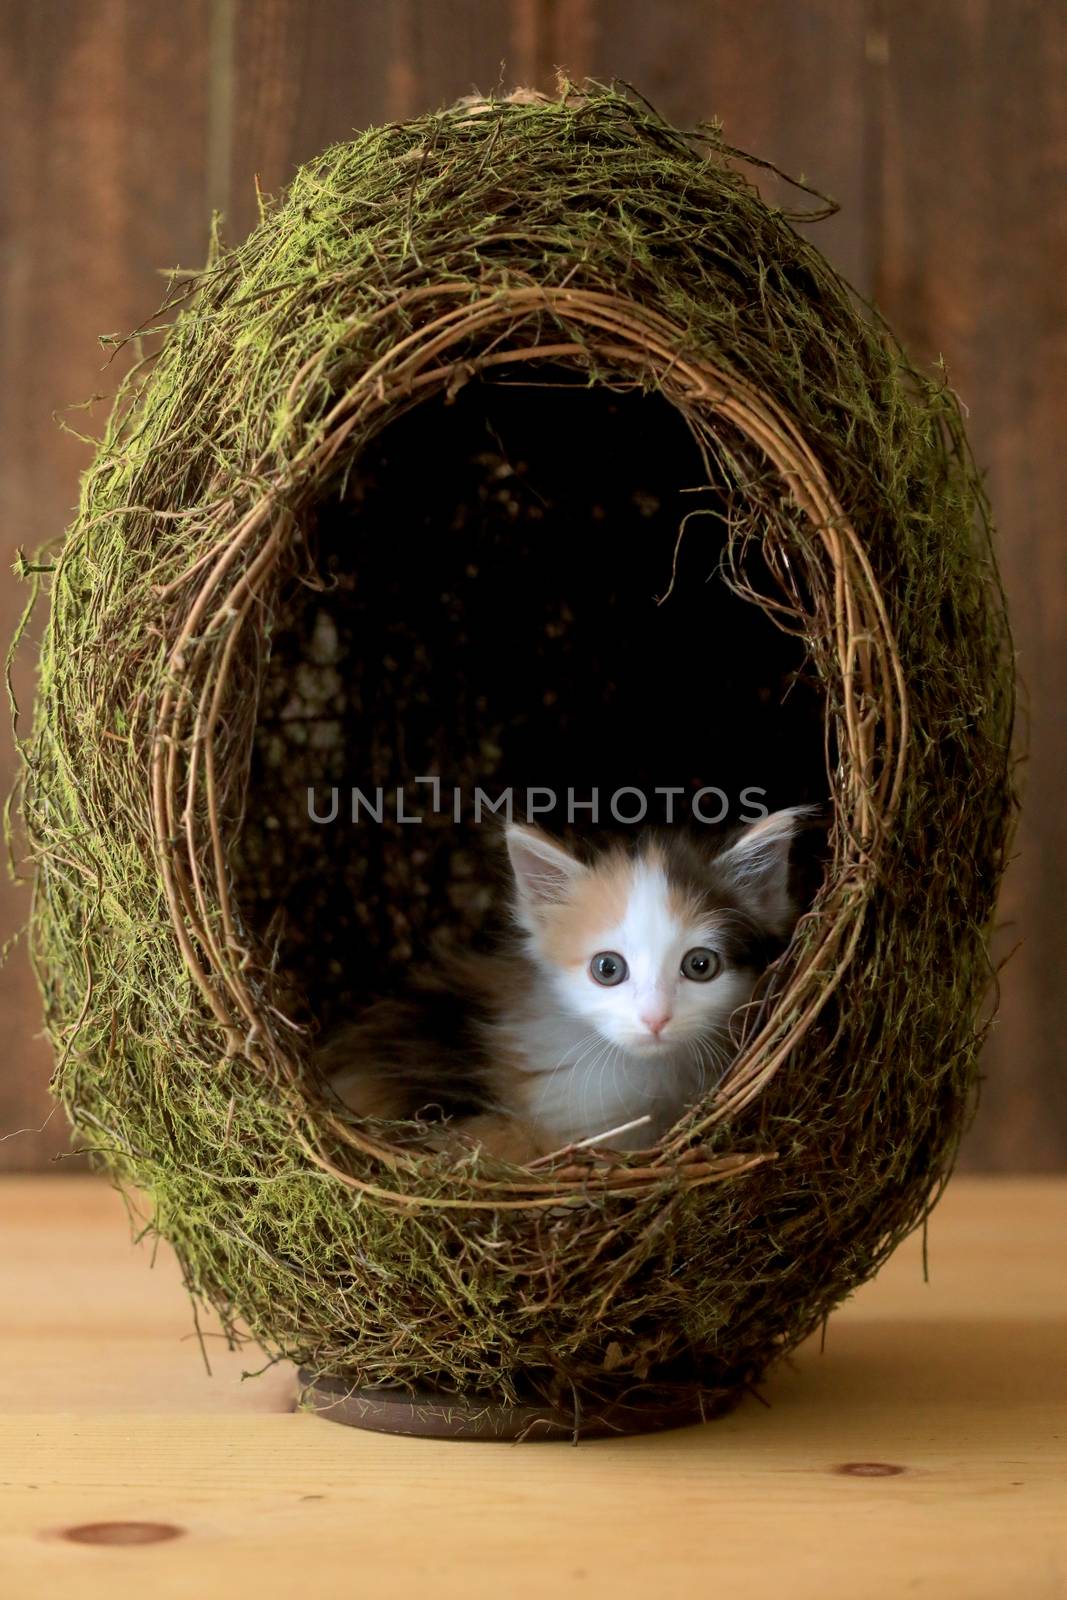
(655, 1021)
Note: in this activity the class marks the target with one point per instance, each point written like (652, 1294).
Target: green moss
(180, 1071)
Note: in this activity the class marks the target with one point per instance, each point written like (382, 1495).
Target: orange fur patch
(598, 902)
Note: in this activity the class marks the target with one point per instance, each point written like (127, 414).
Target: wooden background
(940, 125)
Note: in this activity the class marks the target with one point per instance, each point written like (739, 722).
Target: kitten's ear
(756, 866)
(544, 870)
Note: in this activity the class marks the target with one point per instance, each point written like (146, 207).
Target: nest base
(444, 1416)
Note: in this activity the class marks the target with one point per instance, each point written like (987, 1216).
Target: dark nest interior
(520, 591)
(521, 445)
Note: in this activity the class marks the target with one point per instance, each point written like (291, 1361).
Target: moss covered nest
(499, 419)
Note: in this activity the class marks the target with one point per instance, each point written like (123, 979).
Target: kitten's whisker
(719, 1053)
(616, 1054)
(587, 1042)
(700, 1069)
(605, 1073)
(602, 1068)
(596, 1045)
(597, 1068)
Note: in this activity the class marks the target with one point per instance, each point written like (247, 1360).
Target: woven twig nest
(312, 550)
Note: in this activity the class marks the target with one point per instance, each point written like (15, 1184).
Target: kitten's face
(641, 960)
(657, 951)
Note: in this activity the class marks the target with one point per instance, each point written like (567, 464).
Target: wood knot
(121, 1532)
(869, 1469)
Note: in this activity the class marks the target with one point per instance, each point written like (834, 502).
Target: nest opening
(519, 596)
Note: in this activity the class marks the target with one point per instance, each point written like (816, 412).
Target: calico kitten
(618, 1004)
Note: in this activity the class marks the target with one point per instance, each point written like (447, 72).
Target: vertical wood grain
(550, 37)
(305, 76)
(973, 266)
(788, 81)
(102, 156)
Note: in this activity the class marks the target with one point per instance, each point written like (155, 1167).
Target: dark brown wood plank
(553, 37)
(103, 119)
(973, 265)
(306, 76)
(788, 81)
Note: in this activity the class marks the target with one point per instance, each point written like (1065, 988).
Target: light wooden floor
(108, 1418)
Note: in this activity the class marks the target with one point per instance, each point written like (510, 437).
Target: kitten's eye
(701, 965)
(608, 968)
